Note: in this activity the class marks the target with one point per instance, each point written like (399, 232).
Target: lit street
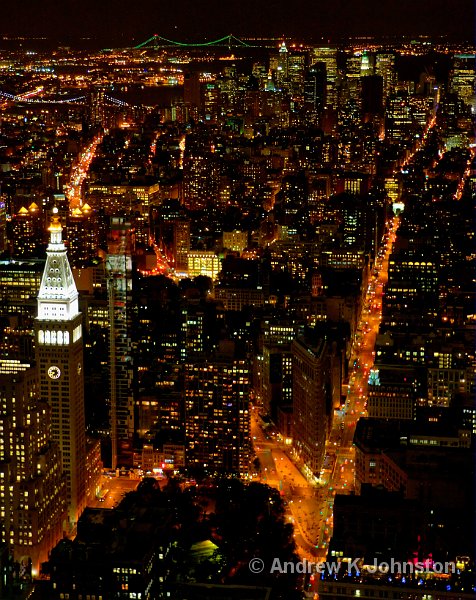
(74, 189)
(309, 506)
(113, 490)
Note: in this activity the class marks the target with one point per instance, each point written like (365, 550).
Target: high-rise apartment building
(19, 284)
(82, 236)
(217, 417)
(201, 179)
(32, 486)
(25, 232)
(172, 233)
(411, 293)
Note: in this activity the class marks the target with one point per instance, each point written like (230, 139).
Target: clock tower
(59, 359)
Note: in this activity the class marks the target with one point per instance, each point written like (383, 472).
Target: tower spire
(58, 296)
(55, 229)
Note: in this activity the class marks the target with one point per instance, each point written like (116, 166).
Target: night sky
(200, 19)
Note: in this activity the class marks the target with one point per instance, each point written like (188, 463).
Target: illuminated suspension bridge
(50, 100)
(31, 100)
(159, 42)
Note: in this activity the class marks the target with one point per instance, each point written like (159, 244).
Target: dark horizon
(189, 20)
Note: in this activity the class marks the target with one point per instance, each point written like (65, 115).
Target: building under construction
(119, 283)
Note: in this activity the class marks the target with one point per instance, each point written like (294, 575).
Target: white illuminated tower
(283, 58)
(59, 358)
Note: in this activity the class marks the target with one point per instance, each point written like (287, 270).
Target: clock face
(54, 372)
(79, 368)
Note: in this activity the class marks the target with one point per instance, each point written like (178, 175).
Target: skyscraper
(398, 118)
(96, 107)
(463, 77)
(59, 358)
(296, 69)
(315, 86)
(3, 225)
(328, 56)
(276, 376)
(192, 89)
(282, 70)
(351, 87)
(310, 410)
(372, 95)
